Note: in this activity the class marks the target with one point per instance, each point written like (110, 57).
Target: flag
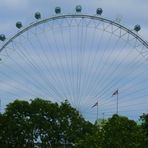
(96, 104)
(115, 93)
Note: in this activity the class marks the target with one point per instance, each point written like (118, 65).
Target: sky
(131, 12)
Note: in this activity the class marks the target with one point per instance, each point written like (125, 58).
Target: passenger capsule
(37, 15)
(19, 25)
(2, 37)
(78, 8)
(137, 28)
(57, 10)
(99, 11)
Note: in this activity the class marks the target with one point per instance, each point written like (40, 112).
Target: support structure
(99, 18)
(0, 106)
(117, 102)
(97, 111)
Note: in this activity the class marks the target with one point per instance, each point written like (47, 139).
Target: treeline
(42, 123)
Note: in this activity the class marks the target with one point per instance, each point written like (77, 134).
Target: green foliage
(144, 119)
(121, 132)
(25, 124)
(92, 139)
(15, 128)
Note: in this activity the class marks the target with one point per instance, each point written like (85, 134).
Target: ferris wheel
(79, 57)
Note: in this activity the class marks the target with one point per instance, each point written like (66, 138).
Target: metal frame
(76, 16)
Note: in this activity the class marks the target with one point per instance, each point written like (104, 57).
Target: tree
(121, 132)
(15, 125)
(25, 124)
(91, 139)
(144, 119)
(43, 119)
(73, 125)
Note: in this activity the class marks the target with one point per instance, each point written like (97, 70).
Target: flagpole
(0, 106)
(97, 111)
(103, 117)
(117, 103)
(96, 105)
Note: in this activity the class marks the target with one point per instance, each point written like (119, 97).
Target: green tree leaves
(123, 133)
(144, 119)
(41, 122)
(25, 124)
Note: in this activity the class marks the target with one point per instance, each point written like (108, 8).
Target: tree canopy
(46, 124)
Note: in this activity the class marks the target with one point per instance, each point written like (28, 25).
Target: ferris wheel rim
(96, 18)
(93, 17)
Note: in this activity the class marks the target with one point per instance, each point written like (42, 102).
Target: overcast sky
(131, 12)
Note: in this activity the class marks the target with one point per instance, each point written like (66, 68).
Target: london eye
(77, 57)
